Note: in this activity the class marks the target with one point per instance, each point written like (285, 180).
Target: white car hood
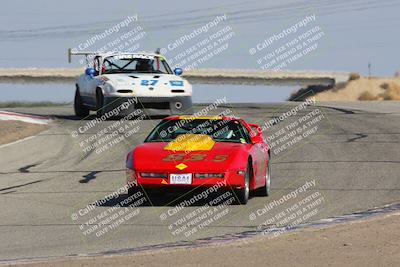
(143, 84)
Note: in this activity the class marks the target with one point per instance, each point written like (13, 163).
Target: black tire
(266, 189)
(132, 190)
(243, 194)
(100, 103)
(80, 110)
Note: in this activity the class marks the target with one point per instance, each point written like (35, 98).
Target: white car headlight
(109, 88)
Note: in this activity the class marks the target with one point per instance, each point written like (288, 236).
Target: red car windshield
(218, 130)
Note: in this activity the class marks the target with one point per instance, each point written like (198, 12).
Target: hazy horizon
(38, 33)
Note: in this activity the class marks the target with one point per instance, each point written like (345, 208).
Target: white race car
(143, 80)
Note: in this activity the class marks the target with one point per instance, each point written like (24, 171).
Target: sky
(355, 32)
(38, 33)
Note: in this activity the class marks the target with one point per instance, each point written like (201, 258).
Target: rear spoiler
(81, 53)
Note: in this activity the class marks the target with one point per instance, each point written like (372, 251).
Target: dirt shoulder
(374, 242)
(11, 131)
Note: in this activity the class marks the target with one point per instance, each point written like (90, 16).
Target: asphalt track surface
(353, 157)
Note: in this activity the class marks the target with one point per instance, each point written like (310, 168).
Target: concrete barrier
(202, 76)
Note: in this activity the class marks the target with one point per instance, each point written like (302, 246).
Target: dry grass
(354, 76)
(363, 89)
(367, 96)
(392, 91)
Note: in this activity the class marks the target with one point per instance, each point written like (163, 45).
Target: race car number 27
(148, 82)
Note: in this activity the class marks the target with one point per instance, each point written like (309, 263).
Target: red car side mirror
(256, 133)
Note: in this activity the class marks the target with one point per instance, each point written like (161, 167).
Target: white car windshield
(131, 64)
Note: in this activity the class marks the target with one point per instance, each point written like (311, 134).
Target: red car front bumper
(231, 180)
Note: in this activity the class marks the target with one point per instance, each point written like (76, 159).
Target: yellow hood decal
(191, 142)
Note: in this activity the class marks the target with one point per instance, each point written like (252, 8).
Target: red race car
(190, 151)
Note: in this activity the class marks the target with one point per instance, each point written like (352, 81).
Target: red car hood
(154, 157)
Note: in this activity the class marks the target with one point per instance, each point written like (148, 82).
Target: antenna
(369, 70)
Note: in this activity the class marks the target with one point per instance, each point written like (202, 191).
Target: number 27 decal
(148, 82)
